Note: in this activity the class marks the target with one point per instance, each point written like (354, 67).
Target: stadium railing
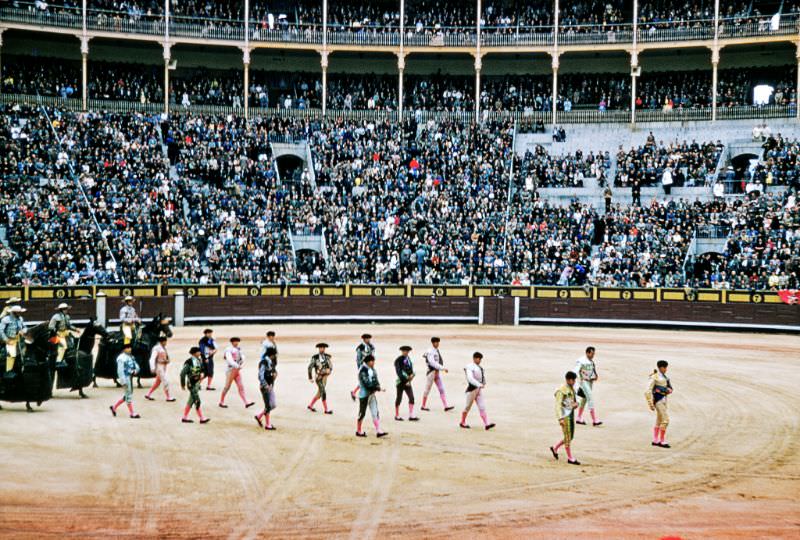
(232, 30)
(579, 116)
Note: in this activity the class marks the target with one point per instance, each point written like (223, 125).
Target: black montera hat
(405, 348)
(321, 345)
(366, 336)
(194, 350)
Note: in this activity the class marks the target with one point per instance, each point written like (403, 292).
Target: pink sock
(594, 415)
(484, 418)
(241, 395)
(200, 414)
(558, 445)
(663, 432)
(424, 402)
(266, 420)
(656, 430)
(261, 415)
(377, 423)
(167, 393)
(325, 405)
(464, 417)
(580, 415)
(313, 401)
(186, 411)
(569, 453)
(118, 403)
(222, 397)
(208, 382)
(444, 400)
(410, 410)
(358, 426)
(397, 410)
(130, 408)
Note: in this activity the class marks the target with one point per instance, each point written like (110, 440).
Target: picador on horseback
(142, 338)
(24, 356)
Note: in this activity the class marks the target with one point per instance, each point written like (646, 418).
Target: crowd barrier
(481, 304)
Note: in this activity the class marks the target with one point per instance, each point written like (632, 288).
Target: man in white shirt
(159, 360)
(234, 360)
(435, 367)
(587, 374)
(476, 382)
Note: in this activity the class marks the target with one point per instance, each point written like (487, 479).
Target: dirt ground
(72, 470)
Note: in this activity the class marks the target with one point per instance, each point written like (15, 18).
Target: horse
(31, 378)
(77, 373)
(105, 365)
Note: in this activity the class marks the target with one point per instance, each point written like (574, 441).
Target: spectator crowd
(107, 197)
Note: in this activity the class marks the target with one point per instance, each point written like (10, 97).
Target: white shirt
(474, 374)
(158, 355)
(234, 358)
(434, 359)
(585, 369)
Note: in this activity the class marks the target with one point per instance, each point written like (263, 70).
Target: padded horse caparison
(105, 366)
(31, 380)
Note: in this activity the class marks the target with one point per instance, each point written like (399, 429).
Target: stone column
(167, 58)
(84, 75)
(246, 62)
(324, 64)
(401, 66)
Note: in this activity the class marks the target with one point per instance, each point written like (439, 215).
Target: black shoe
(223, 406)
(553, 451)
(581, 422)
(114, 413)
(654, 444)
(360, 434)
(136, 416)
(205, 420)
(465, 426)
(148, 398)
(270, 428)
(595, 424)
(664, 445)
(170, 400)
(413, 419)
(187, 420)
(573, 462)
(353, 397)
(248, 405)
(382, 434)
(258, 419)
(490, 426)
(312, 409)
(399, 418)
(329, 411)
(424, 409)
(210, 388)
(450, 408)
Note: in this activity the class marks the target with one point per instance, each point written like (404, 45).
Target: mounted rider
(129, 321)
(13, 301)
(61, 324)
(12, 326)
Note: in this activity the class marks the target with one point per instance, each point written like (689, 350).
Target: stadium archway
(290, 167)
(741, 163)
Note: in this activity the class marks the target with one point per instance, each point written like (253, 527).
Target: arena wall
(501, 305)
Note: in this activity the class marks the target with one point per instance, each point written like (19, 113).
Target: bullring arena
(732, 472)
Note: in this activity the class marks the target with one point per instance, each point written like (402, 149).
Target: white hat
(13, 300)
(63, 305)
(17, 309)
(127, 298)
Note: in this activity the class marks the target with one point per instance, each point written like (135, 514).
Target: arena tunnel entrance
(741, 164)
(290, 167)
(308, 261)
(704, 265)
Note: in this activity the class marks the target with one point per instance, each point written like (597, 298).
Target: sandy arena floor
(70, 469)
